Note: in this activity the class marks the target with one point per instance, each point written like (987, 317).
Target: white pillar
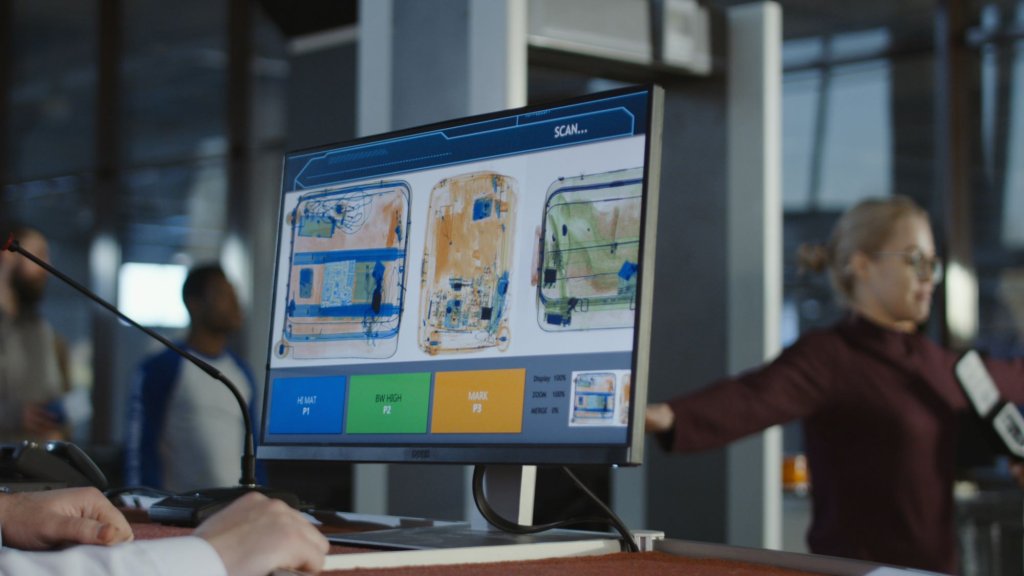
(373, 116)
(754, 257)
(497, 55)
(422, 62)
(373, 99)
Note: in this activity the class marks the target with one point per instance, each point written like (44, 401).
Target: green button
(389, 404)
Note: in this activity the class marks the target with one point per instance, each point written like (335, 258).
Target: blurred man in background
(185, 429)
(33, 359)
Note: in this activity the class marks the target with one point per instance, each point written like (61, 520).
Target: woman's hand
(659, 418)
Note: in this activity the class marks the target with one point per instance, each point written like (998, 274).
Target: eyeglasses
(926, 268)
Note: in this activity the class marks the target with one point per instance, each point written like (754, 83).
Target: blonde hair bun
(812, 258)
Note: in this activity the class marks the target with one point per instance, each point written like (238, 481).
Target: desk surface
(652, 563)
(693, 561)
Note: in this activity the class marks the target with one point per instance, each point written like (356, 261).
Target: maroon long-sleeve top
(880, 413)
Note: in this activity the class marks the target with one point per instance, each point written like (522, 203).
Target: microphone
(193, 507)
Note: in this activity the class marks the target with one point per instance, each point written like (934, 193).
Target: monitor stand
(510, 491)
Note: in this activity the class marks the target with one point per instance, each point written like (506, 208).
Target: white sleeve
(163, 557)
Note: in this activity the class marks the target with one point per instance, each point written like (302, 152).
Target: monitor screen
(474, 291)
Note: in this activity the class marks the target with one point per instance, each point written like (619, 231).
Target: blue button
(307, 405)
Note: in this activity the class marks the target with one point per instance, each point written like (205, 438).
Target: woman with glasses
(879, 400)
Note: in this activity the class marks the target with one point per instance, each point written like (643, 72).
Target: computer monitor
(475, 291)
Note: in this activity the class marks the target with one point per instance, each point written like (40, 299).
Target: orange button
(479, 402)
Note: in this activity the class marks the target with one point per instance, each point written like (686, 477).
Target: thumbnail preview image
(346, 272)
(600, 398)
(464, 296)
(589, 252)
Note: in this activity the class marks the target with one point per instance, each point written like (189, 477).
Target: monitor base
(459, 535)
(462, 544)
(192, 508)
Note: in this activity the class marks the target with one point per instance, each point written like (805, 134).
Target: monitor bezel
(629, 453)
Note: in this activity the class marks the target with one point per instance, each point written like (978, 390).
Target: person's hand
(1017, 471)
(659, 418)
(40, 422)
(48, 519)
(256, 535)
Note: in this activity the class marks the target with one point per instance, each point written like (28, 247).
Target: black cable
(613, 518)
(506, 525)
